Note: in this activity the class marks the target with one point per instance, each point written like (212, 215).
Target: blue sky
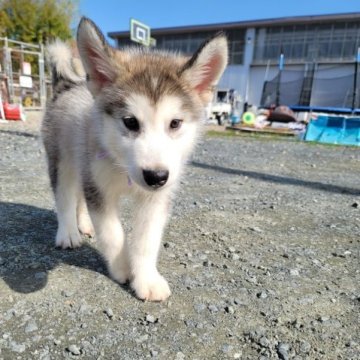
(114, 15)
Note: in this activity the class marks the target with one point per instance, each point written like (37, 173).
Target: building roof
(293, 20)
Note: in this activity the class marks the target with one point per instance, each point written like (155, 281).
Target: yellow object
(248, 118)
(27, 101)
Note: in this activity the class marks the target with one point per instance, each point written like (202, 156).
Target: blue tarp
(334, 130)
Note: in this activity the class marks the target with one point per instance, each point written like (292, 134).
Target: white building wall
(233, 78)
(237, 76)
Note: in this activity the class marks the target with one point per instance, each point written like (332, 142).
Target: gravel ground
(261, 253)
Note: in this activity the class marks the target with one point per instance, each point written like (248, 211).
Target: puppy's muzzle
(156, 178)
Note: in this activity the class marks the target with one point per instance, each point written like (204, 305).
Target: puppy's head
(149, 105)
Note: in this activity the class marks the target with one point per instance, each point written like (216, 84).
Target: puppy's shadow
(27, 251)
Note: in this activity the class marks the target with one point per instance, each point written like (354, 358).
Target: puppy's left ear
(96, 56)
(204, 69)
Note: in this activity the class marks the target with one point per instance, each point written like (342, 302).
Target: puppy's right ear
(95, 55)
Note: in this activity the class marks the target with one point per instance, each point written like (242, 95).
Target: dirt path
(261, 253)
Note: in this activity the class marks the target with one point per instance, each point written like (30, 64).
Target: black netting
(290, 92)
(284, 89)
(333, 92)
(268, 97)
(314, 88)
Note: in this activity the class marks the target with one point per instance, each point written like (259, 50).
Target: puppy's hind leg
(67, 192)
(84, 222)
(110, 235)
(108, 230)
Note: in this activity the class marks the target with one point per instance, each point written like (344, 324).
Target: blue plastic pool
(334, 130)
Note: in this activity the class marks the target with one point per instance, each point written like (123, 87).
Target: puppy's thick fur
(126, 128)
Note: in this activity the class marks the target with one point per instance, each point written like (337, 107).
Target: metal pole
(355, 92)
(8, 69)
(19, 43)
(281, 66)
(42, 77)
(25, 51)
(263, 98)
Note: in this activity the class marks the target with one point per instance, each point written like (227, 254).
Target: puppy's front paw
(68, 239)
(151, 287)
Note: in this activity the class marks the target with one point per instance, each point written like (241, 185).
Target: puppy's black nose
(155, 178)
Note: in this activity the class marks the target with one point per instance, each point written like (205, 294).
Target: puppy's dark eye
(175, 124)
(131, 123)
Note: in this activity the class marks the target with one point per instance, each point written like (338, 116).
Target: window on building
(236, 40)
(322, 42)
(189, 43)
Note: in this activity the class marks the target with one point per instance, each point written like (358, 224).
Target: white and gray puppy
(126, 128)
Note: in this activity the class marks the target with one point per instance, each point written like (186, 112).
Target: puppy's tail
(64, 66)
